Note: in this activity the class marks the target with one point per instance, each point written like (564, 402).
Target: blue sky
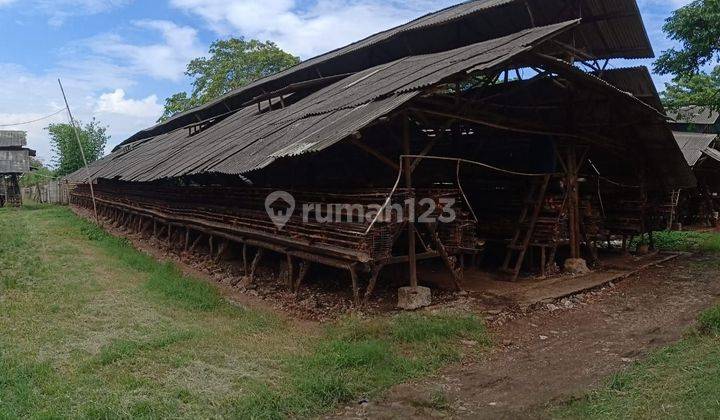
(120, 59)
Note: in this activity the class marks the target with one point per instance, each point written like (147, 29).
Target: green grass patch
(685, 241)
(164, 279)
(92, 328)
(120, 349)
(709, 321)
(680, 381)
(363, 358)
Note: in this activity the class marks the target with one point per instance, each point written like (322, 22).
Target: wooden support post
(290, 272)
(245, 260)
(254, 265)
(355, 287)
(155, 233)
(304, 268)
(211, 245)
(187, 238)
(195, 242)
(573, 201)
(373, 281)
(407, 164)
(456, 273)
(221, 250)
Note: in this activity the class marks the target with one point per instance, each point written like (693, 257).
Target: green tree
(693, 89)
(67, 157)
(39, 174)
(233, 63)
(696, 27)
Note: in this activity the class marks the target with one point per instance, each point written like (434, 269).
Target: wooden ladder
(674, 200)
(520, 242)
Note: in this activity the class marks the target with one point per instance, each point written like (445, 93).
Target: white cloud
(161, 60)
(116, 103)
(306, 28)
(58, 11)
(27, 96)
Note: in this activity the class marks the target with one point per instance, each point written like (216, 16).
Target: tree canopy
(39, 174)
(694, 89)
(67, 157)
(696, 27)
(233, 63)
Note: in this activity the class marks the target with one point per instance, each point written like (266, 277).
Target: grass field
(90, 327)
(681, 381)
(686, 241)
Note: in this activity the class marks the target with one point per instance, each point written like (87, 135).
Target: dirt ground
(553, 354)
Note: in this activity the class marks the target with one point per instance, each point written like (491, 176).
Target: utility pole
(82, 151)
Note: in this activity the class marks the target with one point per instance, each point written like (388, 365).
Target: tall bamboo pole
(82, 151)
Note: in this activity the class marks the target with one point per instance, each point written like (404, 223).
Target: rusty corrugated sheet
(636, 80)
(246, 140)
(610, 29)
(693, 145)
(713, 153)
(695, 115)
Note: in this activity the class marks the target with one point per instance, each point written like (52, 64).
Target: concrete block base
(410, 298)
(576, 266)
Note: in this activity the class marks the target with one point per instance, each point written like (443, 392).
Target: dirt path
(551, 356)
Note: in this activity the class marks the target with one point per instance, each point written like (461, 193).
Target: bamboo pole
(82, 151)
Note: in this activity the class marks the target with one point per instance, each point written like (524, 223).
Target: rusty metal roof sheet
(693, 145)
(695, 115)
(609, 29)
(248, 140)
(713, 153)
(636, 80)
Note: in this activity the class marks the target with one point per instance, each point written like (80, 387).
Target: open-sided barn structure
(696, 130)
(495, 119)
(14, 161)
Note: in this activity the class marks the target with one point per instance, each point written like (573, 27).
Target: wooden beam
(384, 159)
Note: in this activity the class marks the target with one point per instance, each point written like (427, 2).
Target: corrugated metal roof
(635, 80)
(693, 145)
(12, 138)
(247, 141)
(695, 115)
(610, 29)
(713, 153)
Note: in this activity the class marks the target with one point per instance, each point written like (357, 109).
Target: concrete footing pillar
(410, 298)
(576, 266)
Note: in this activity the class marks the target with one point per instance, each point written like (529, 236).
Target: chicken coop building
(696, 130)
(501, 112)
